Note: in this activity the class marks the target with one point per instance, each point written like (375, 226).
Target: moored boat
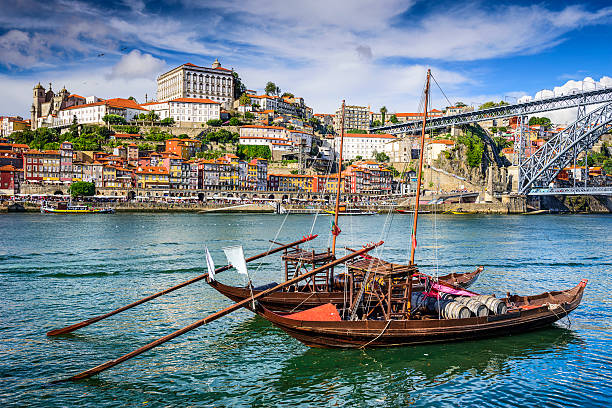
(288, 301)
(66, 208)
(323, 326)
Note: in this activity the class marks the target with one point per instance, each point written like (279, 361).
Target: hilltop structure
(192, 81)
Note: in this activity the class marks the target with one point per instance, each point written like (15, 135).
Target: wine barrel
(475, 306)
(492, 303)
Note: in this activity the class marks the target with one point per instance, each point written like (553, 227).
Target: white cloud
(566, 116)
(137, 65)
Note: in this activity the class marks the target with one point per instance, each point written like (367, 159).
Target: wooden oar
(87, 322)
(214, 316)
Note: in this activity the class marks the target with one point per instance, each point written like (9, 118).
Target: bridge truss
(575, 100)
(540, 169)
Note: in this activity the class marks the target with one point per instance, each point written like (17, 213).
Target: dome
(39, 86)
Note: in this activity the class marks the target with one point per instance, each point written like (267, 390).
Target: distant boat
(459, 212)
(343, 210)
(411, 211)
(66, 208)
(536, 212)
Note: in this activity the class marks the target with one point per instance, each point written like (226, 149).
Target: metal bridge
(540, 169)
(574, 100)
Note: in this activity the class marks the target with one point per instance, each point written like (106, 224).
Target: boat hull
(289, 302)
(381, 333)
(55, 211)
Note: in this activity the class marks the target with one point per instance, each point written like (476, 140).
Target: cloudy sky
(368, 52)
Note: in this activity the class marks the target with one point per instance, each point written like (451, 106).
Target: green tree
(131, 98)
(491, 104)
(381, 157)
(272, 89)
(239, 87)
(460, 104)
(393, 119)
(376, 123)
(167, 121)
(82, 189)
(152, 116)
(114, 120)
(543, 121)
(214, 122)
(251, 151)
(287, 95)
(234, 122)
(383, 113)
(356, 131)
(358, 158)
(244, 99)
(474, 145)
(248, 115)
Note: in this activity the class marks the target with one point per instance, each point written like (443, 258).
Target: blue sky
(367, 52)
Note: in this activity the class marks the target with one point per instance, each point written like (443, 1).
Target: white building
(433, 148)
(95, 112)
(11, 124)
(192, 81)
(362, 144)
(186, 110)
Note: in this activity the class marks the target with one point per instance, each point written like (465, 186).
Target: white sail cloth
(235, 256)
(211, 265)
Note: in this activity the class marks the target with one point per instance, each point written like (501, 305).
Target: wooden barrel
(492, 303)
(475, 306)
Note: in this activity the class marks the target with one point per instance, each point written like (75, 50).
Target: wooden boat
(459, 212)
(66, 208)
(525, 313)
(385, 309)
(350, 212)
(400, 211)
(292, 300)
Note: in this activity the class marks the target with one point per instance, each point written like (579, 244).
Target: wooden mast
(335, 229)
(413, 241)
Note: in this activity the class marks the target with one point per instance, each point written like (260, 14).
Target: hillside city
(206, 132)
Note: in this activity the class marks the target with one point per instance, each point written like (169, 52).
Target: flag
(335, 229)
(235, 256)
(210, 264)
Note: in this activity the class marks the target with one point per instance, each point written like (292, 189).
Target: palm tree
(383, 112)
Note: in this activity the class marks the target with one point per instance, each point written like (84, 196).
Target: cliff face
(476, 158)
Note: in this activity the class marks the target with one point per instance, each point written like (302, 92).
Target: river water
(56, 270)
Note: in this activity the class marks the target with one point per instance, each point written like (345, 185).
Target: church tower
(216, 64)
(38, 99)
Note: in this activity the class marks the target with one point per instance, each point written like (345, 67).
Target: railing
(571, 191)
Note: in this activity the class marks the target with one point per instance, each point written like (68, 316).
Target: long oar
(214, 316)
(87, 322)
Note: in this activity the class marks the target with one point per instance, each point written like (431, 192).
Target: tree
(234, 122)
(114, 119)
(252, 151)
(491, 104)
(214, 122)
(167, 121)
(287, 95)
(356, 131)
(248, 115)
(152, 116)
(272, 89)
(82, 189)
(358, 158)
(131, 98)
(460, 104)
(383, 113)
(239, 87)
(381, 157)
(393, 119)
(543, 121)
(376, 123)
(244, 99)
